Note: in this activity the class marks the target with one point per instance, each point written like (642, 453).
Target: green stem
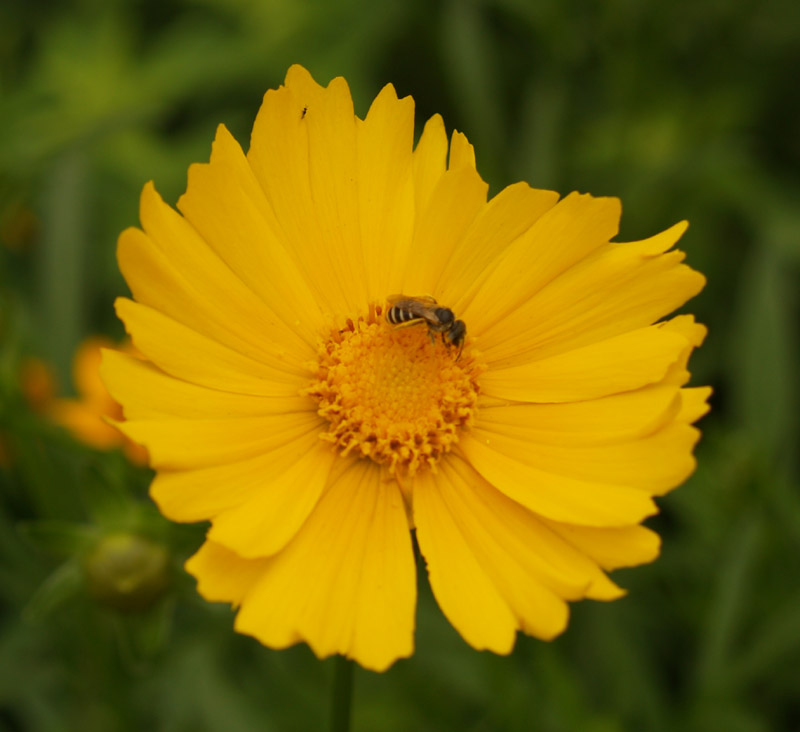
(342, 696)
(63, 259)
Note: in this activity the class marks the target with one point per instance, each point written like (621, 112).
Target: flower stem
(342, 696)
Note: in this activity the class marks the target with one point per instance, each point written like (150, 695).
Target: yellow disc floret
(394, 395)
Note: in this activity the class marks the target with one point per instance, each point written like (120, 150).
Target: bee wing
(425, 300)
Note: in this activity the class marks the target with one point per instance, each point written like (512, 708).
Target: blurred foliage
(684, 110)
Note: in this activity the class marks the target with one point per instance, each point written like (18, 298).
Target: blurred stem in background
(64, 247)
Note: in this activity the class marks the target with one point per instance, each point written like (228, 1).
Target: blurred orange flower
(37, 382)
(88, 416)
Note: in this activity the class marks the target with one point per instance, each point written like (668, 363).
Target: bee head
(457, 333)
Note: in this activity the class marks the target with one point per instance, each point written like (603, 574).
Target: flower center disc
(392, 394)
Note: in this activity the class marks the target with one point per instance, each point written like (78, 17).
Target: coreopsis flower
(279, 403)
(90, 416)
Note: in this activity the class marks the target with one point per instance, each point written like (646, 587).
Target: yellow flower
(279, 404)
(89, 416)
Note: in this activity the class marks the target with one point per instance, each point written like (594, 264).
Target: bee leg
(432, 337)
(408, 324)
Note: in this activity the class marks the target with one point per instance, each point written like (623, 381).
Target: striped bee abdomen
(397, 315)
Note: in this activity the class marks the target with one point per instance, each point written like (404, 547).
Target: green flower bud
(127, 572)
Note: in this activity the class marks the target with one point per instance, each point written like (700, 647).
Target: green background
(688, 109)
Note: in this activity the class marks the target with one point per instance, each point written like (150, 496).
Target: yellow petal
(222, 575)
(345, 584)
(462, 153)
(333, 179)
(621, 363)
(145, 391)
(278, 156)
(188, 355)
(174, 271)
(610, 419)
(694, 404)
(501, 221)
(176, 444)
(263, 522)
(655, 464)
(303, 154)
(602, 588)
(695, 334)
(505, 533)
(386, 188)
(455, 202)
(227, 207)
(619, 288)
(429, 162)
(559, 497)
(622, 546)
(465, 593)
(562, 236)
(203, 493)
(492, 568)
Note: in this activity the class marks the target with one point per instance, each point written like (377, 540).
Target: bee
(407, 310)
